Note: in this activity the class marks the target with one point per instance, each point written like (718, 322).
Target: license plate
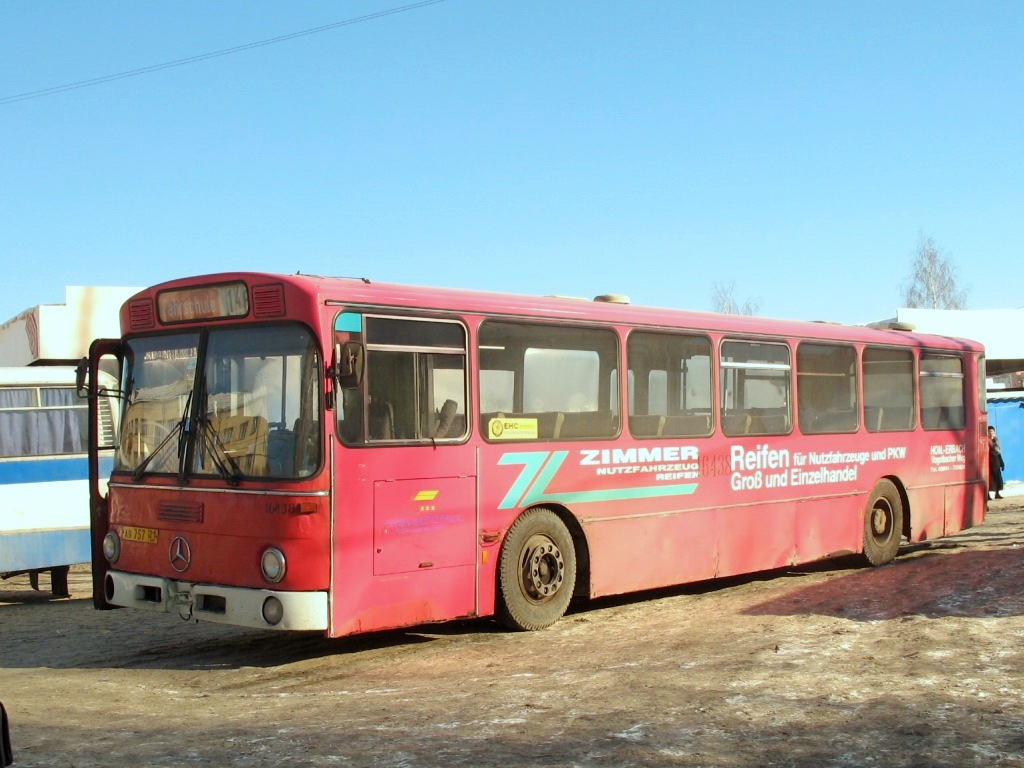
(144, 535)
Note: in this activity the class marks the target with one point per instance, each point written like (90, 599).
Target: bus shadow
(973, 583)
(932, 579)
(237, 648)
(41, 633)
(720, 584)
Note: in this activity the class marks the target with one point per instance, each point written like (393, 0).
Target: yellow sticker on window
(144, 535)
(512, 429)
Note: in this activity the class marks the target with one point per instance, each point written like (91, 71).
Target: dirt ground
(918, 663)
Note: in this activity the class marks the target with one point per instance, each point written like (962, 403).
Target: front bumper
(238, 606)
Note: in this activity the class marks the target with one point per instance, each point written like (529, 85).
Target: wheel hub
(881, 521)
(543, 568)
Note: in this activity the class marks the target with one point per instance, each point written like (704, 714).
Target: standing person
(995, 463)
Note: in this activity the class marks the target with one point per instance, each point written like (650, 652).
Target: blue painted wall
(1007, 416)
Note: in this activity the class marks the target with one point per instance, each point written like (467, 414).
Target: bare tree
(933, 280)
(724, 301)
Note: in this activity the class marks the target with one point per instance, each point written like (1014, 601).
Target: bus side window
(548, 382)
(888, 389)
(414, 381)
(382, 420)
(827, 388)
(942, 392)
(42, 421)
(670, 390)
(350, 426)
(755, 390)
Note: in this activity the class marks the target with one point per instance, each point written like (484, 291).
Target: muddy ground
(919, 663)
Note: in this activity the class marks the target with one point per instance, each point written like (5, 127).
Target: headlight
(112, 547)
(272, 564)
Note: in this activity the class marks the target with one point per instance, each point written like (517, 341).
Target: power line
(203, 57)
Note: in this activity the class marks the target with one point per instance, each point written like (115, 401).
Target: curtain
(47, 431)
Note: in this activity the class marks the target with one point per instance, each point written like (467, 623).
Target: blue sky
(795, 149)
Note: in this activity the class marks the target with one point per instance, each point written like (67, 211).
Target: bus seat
(687, 425)
(898, 418)
(305, 447)
(873, 416)
(549, 423)
(587, 424)
(889, 419)
(382, 420)
(280, 452)
(762, 423)
(646, 425)
(445, 418)
(736, 423)
(833, 422)
(942, 417)
(458, 427)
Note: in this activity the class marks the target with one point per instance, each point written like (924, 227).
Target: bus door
(103, 353)
(405, 525)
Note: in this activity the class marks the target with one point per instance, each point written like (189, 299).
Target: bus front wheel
(883, 524)
(536, 572)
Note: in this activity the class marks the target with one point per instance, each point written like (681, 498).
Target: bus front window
(159, 375)
(235, 403)
(259, 415)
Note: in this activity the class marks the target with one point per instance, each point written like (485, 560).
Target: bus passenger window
(942, 392)
(670, 391)
(827, 388)
(755, 389)
(889, 404)
(547, 382)
(414, 384)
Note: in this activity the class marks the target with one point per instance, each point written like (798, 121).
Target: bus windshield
(238, 403)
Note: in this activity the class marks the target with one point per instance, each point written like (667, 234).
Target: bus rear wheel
(536, 572)
(883, 524)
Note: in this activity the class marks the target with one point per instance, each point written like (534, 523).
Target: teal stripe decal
(540, 468)
(614, 494)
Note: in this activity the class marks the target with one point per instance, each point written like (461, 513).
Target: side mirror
(351, 363)
(82, 377)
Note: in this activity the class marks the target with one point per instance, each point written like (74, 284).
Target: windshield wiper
(182, 428)
(211, 442)
(141, 469)
(226, 466)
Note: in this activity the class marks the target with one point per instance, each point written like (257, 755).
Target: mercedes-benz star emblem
(180, 554)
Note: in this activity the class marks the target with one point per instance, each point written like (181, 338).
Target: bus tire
(883, 523)
(536, 571)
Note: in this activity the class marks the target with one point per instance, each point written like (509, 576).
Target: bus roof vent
(268, 300)
(897, 326)
(612, 298)
(141, 314)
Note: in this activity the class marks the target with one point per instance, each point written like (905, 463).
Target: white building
(50, 334)
(998, 329)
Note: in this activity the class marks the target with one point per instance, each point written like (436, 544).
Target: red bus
(316, 453)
